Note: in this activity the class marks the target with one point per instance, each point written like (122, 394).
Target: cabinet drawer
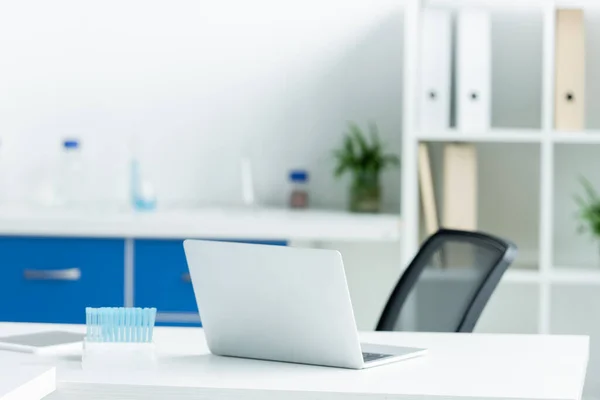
(54, 279)
(162, 280)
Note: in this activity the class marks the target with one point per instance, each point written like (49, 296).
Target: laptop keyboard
(374, 356)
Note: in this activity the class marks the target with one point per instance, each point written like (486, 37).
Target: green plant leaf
(361, 156)
(589, 209)
(339, 153)
(349, 146)
(339, 170)
(359, 139)
(374, 132)
(589, 189)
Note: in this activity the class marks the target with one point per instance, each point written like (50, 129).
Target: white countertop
(216, 223)
(458, 366)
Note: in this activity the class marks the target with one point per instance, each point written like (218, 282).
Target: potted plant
(589, 209)
(364, 159)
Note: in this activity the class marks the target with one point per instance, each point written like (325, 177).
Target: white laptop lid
(274, 303)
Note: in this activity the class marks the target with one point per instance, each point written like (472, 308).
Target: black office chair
(447, 285)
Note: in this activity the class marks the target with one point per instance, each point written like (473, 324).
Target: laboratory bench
(54, 263)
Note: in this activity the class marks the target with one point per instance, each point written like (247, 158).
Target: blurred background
(128, 126)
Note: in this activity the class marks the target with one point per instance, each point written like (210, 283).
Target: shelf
(492, 4)
(493, 135)
(585, 137)
(558, 275)
(453, 274)
(512, 136)
(521, 276)
(569, 275)
(590, 4)
(216, 223)
(513, 4)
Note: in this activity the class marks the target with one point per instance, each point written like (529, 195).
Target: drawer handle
(178, 317)
(69, 274)
(186, 277)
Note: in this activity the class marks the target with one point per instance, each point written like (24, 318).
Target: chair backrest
(447, 285)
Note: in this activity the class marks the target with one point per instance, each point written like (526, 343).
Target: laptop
(281, 304)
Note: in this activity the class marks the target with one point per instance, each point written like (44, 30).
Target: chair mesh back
(448, 283)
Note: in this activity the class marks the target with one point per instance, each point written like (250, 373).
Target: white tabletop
(458, 366)
(218, 223)
(25, 382)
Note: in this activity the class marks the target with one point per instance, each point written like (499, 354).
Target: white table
(458, 366)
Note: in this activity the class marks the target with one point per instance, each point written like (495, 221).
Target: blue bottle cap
(298, 175)
(71, 144)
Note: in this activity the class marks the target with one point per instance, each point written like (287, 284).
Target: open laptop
(280, 303)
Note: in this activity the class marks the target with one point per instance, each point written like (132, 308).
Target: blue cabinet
(161, 277)
(54, 279)
(162, 280)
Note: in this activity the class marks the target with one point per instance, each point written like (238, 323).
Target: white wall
(200, 83)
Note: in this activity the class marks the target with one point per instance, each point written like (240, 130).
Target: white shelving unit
(547, 276)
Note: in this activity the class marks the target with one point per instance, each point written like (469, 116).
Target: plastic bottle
(70, 179)
(299, 193)
(143, 196)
